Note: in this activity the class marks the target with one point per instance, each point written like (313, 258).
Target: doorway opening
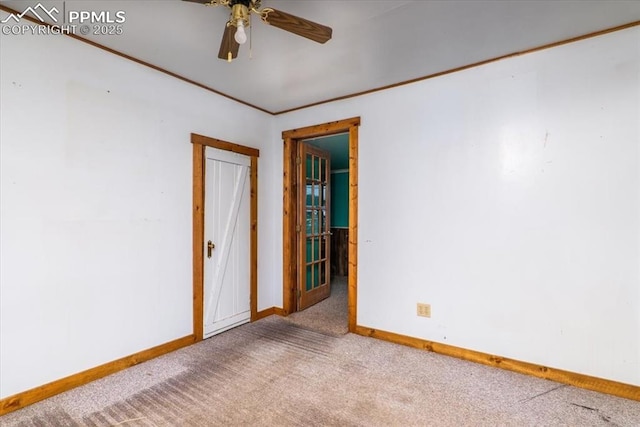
(309, 231)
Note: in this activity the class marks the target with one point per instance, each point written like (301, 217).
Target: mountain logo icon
(34, 11)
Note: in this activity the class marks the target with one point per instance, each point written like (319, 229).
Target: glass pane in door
(314, 233)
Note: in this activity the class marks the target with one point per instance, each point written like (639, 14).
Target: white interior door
(227, 241)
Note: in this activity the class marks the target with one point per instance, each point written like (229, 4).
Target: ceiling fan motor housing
(247, 3)
(240, 11)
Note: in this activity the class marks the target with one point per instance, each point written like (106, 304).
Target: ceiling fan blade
(199, 1)
(228, 44)
(296, 25)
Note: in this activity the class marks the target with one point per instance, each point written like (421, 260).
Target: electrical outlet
(424, 310)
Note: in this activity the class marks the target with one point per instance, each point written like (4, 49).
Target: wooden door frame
(200, 143)
(291, 138)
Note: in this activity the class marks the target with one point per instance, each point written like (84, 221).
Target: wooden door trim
(325, 129)
(290, 141)
(289, 244)
(200, 142)
(352, 280)
(198, 241)
(224, 145)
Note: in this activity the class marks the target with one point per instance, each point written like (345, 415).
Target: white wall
(96, 184)
(508, 197)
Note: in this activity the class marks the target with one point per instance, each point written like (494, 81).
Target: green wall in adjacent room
(338, 147)
(340, 199)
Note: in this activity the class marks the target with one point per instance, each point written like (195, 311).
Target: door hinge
(298, 228)
(299, 293)
(298, 160)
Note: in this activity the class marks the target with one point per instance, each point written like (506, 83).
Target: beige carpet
(275, 373)
(328, 316)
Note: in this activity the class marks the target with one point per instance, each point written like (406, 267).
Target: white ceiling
(375, 43)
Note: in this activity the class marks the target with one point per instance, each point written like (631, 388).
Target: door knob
(210, 247)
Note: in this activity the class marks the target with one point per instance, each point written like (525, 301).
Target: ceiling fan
(240, 18)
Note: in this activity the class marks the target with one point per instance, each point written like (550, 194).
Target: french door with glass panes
(314, 172)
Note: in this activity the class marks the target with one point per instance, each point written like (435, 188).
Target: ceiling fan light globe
(240, 35)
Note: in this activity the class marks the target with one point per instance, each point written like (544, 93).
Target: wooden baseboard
(26, 398)
(20, 400)
(614, 388)
(268, 312)
(264, 313)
